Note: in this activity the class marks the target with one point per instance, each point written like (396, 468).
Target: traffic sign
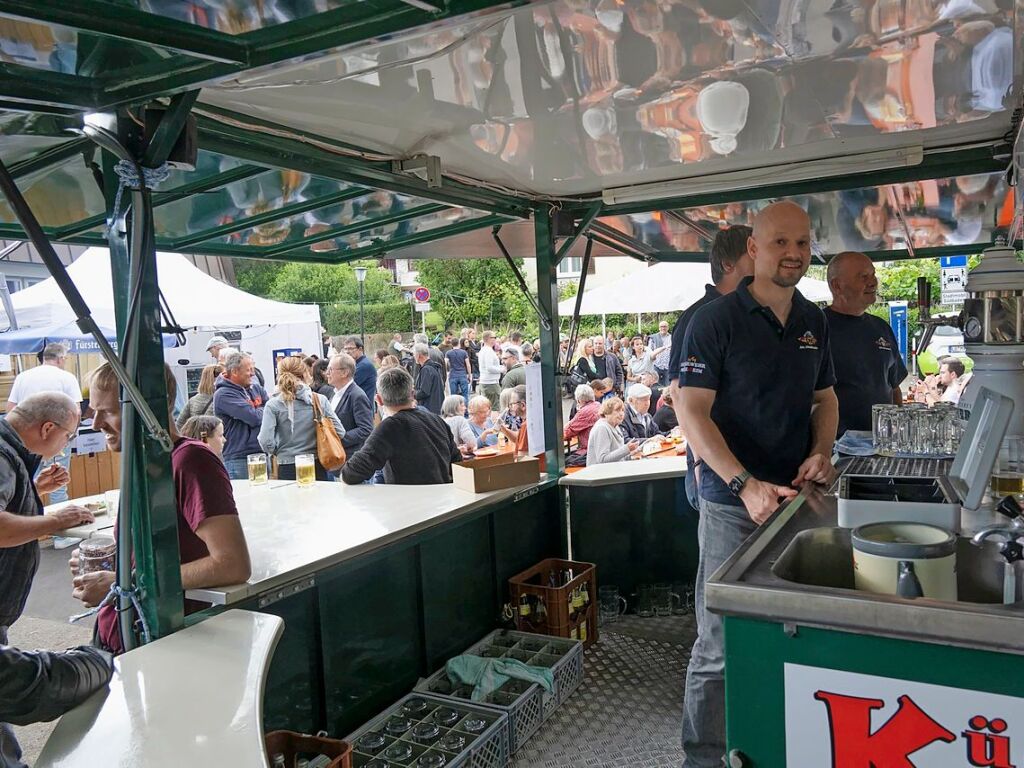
(421, 295)
(423, 306)
(952, 261)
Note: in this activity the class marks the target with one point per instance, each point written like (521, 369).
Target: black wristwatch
(737, 483)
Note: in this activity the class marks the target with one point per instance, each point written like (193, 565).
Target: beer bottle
(524, 605)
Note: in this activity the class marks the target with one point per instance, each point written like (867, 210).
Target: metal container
(905, 559)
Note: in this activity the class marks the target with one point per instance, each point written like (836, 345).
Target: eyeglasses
(68, 434)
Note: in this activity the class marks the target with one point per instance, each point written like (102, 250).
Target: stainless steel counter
(758, 581)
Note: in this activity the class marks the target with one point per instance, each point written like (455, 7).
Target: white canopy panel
(663, 287)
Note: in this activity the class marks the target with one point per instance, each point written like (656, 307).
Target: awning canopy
(26, 341)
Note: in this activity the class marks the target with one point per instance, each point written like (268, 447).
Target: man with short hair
(474, 358)
(50, 376)
(660, 339)
(491, 370)
(349, 402)
(607, 366)
(946, 386)
(760, 409)
(433, 352)
(215, 345)
(528, 353)
(395, 346)
(429, 379)
(868, 364)
(212, 544)
(239, 402)
(515, 371)
(366, 373)
(411, 445)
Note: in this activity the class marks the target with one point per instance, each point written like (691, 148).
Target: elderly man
(239, 402)
(349, 402)
(638, 423)
(515, 371)
(215, 346)
(660, 339)
(429, 379)
(366, 374)
(491, 370)
(759, 407)
(210, 538)
(868, 364)
(411, 445)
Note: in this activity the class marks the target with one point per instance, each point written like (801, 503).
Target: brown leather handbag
(329, 449)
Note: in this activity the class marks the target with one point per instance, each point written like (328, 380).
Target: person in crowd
(585, 360)
(201, 403)
(349, 402)
(206, 429)
(606, 366)
(491, 370)
(379, 356)
(429, 379)
(579, 426)
(319, 384)
(453, 411)
(515, 371)
(625, 350)
(395, 346)
(239, 402)
(503, 400)
(759, 408)
(650, 380)
(411, 445)
(366, 374)
(638, 423)
(433, 352)
(388, 362)
(944, 387)
(520, 438)
(619, 352)
(640, 362)
(48, 377)
(289, 428)
(511, 421)
(484, 429)
(529, 356)
(459, 370)
(474, 363)
(515, 340)
(215, 346)
(605, 444)
(447, 343)
(665, 418)
(730, 264)
(660, 339)
(212, 544)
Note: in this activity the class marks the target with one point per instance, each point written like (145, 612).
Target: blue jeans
(10, 750)
(460, 386)
(721, 530)
(61, 494)
(238, 469)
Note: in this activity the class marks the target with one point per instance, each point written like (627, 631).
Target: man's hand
(762, 499)
(816, 469)
(91, 588)
(52, 478)
(70, 516)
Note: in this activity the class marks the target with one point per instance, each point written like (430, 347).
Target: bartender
(868, 364)
(759, 407)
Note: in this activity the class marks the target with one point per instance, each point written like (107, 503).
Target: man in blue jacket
(238, 400)
(366, 373)
(349, 402)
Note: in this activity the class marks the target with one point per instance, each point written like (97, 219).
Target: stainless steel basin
(823, 557)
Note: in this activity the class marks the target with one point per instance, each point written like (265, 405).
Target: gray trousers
(720, 532)
(10, 750)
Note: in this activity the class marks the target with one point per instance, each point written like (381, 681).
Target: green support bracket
(582, 227)
(169, 131)
(547, 296)
(48, 158)
(42, 89)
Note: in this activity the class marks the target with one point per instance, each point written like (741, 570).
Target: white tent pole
(604, 326)
(638, 325)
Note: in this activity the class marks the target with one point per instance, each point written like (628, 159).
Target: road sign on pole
(422, 295)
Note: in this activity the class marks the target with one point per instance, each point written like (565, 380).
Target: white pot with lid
(905, 559)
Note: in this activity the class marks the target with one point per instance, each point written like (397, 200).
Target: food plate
(96, 507)
(485, 452)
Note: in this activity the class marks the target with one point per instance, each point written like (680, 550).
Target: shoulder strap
(315, 402)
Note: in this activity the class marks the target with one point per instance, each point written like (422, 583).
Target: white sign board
(837, 719)
(953, 280)
(953, 298)
(90, 442)
(423, 306)
(534, 410)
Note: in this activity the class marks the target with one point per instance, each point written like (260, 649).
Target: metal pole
(362, 319)
(547, 301)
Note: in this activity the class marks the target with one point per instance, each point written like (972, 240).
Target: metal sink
(823, 557)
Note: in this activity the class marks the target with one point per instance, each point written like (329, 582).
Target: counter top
(193, 698)
(627, 472)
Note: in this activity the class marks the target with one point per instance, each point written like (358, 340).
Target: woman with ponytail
(288, 427)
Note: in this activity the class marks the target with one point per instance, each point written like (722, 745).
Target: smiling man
(868, 364)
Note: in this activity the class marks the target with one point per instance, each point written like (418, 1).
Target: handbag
(329, 449)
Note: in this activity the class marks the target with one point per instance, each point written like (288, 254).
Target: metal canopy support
(547, 295)
(624, 250)
(610, 233)
(582, 227)
(544, 317)
(169, 131)
(574, 323)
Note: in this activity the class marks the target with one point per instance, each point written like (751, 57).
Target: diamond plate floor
(629, 708)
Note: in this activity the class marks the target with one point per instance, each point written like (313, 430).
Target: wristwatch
(737, 483)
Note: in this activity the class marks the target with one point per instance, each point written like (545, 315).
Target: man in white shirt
(48, 377)
(491, 370)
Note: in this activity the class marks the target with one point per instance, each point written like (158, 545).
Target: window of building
(570, 266)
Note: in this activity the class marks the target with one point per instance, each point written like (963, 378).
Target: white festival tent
(664, 287)
(199, 303)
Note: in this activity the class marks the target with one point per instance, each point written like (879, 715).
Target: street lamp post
(361, 278)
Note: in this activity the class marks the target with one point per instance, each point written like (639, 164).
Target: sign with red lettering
(848, 720)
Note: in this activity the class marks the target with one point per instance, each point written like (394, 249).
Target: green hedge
(393, 317)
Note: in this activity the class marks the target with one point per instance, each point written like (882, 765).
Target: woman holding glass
(288, 427)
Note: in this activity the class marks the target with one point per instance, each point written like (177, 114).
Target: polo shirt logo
(883, 343)
(808, 341)
(690, 365)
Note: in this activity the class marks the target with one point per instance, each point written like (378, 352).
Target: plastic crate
(557, 619)
(522, 701)
(564, 657)
(290, 743)
(487, 749)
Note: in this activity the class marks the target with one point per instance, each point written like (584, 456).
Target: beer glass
(305, 469)
(610, 599)
(96, 553)
(645, 601)
(257, 463)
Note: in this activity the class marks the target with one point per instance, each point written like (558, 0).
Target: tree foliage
(477, 291)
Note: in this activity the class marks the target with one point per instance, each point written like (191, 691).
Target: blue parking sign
(952, 261)
(898, 321)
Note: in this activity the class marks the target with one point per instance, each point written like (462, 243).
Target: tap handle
(1009, 506)
(1012, 551)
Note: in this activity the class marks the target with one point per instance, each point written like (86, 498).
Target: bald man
(868, 364)
(759, 408)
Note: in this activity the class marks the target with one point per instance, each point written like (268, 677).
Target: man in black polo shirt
(759, 408)
(730, 263)
(869, 366)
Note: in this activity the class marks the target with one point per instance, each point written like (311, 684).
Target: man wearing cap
(215, 345)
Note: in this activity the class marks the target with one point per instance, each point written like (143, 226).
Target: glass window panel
(59, 196)
(236, 17)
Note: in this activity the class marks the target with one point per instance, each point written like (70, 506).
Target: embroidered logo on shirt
(808, 341)
(883, 343)
(690, 365)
